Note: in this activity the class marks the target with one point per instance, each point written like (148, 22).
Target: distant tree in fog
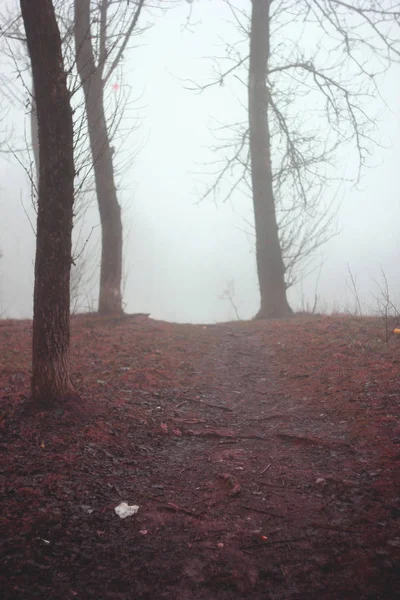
(50, 346)
(312, 70)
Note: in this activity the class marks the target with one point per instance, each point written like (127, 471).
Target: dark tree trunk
(50, 344)
(35, 135)
(110, 297)
(270, 267)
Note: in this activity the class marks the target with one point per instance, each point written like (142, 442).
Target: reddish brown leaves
(267, 459)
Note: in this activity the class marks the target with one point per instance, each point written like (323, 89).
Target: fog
(180, 253)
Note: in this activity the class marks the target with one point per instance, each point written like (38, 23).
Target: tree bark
(270, 267)
(35, 134)
(50, 382)
(110, 297)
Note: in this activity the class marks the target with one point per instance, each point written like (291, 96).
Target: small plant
(229, 295)
(386, 308)
(352, 286)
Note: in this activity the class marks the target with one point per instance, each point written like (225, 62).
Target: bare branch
(125, 41)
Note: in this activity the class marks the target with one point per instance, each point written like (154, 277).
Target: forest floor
(264, 458)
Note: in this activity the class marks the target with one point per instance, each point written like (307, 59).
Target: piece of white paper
(123, 510)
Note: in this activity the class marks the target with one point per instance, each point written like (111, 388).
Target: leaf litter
(264, 457)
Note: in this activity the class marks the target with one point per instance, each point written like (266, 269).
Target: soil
(264, 458)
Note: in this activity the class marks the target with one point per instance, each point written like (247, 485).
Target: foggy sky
(181, 254)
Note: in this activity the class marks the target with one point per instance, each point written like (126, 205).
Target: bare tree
(27, 152)
(229, 294)
(51, 328)
(307, 108)
(94, 75)
(270, 267)
(107, 34)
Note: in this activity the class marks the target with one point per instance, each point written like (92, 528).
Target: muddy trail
(263, 457)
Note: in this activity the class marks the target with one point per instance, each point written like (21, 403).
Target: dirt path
(263, 458)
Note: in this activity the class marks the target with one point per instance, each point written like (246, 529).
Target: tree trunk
(50, 345)
(110, 297)
(35, 135)
(270, 267)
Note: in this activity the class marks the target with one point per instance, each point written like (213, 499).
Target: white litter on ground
(123, 510)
